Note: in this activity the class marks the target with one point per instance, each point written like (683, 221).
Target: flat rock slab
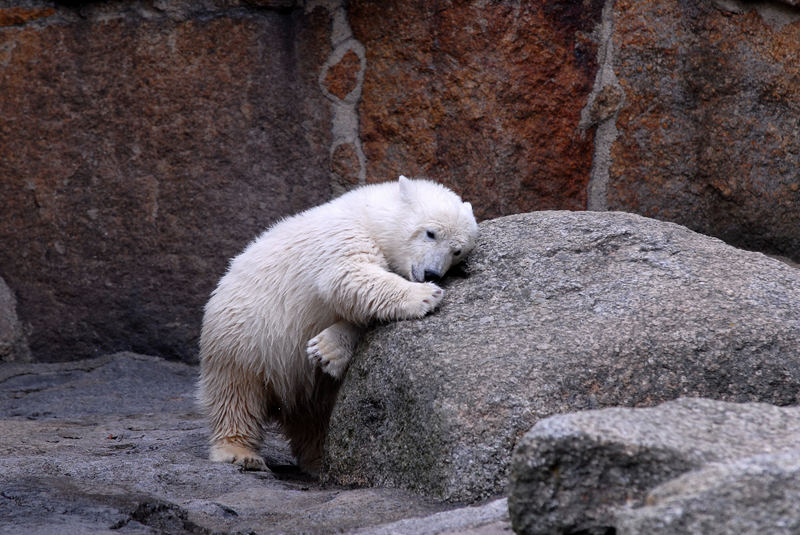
(688, 466)
(114, 445)
(558, 312)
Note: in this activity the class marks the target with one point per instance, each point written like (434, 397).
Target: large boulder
(689, 466)
(759, 494)
(558, 312)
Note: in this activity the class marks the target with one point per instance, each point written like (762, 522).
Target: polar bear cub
(280, 328)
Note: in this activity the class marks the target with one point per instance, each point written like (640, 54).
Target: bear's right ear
(405, 189)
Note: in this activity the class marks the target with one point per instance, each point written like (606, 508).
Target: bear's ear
(467, 207)
(405, 189)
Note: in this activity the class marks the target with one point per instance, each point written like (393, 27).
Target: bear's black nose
(431, 275)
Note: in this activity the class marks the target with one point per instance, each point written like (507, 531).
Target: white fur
(280, 328)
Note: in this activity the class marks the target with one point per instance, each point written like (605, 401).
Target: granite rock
(558, 312)
(688, 466)
(707, 135)
(759, 494)
(485, 97)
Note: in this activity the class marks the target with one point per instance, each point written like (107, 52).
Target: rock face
(691, 466)
(558, 312)
(145, 143)
(141, 147)
(707, 134)
(681, 111)
(13, 342)
(484, 97)
(114, 445)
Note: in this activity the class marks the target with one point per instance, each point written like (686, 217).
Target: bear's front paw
(424, 298)
(226, 452)
(325, 351)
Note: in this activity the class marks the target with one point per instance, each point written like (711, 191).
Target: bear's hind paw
(238, 455)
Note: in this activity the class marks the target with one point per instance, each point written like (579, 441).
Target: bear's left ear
(405, 189)
(467, 207)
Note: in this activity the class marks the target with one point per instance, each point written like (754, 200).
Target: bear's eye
(431, 234)
(457, 252)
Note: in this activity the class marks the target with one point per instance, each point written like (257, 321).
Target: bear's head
(432, 231)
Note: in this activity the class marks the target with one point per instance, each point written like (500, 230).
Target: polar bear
(280, 328)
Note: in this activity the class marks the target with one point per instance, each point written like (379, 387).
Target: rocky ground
(115, 445)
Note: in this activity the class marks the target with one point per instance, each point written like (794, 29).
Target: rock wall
(140, 148)
(681, 110)
(485, 97)
(144, 143)
(707, 134)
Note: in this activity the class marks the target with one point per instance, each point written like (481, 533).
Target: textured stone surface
(759, 494)
(342, 78)
(345, 163)
(114, 445)
(561, 311)
(13, 342)
(140, 148)
(485, 97)
(489, 519)
(708, 133)
(15, 16)
(591, 472)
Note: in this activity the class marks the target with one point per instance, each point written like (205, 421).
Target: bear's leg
(372, 293)
(332, 349)
(307, 424)
(235, 405)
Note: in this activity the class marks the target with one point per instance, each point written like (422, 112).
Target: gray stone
(759, 494)
(489, 518)
(114, 445)
(13, 343)
(557, 312)
(590, 472)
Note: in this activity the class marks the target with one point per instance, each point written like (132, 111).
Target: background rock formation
(144, 143)
(139, 150)
(485, 97)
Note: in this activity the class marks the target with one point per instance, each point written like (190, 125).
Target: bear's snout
(432, 275)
